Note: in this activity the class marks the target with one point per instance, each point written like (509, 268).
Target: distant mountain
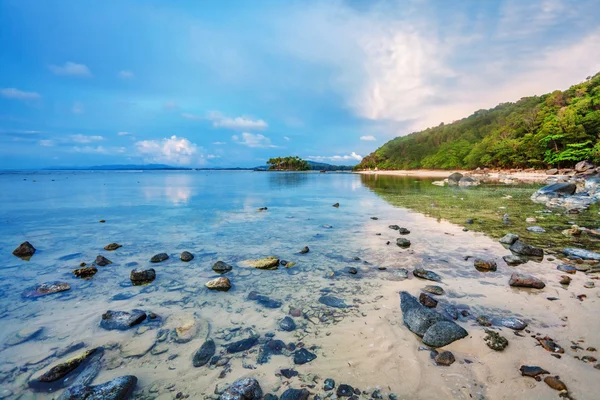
(315, 166)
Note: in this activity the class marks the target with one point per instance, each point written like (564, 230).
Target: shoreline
(540, 176)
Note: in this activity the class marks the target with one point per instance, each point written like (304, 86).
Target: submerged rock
(581, 253)
(142, 276)
(25, 334)
(119, 388)
(336, 205)
(243, 389)
(454, 179)
(46, 289)
(295, 394)
(328, 384)
(122, 320)
(437, 290)
(567, 268)
(303, 356)
(102, 261)
(112, 246)
(159, 257)
(485, 265)
(521, 248)
(264, 300)
(509, 238)
(416, 317)
(394, 227)
(186, 256)
(85, 272)
(288, 373)
(513, 260)
(221, 267)
(467, 181)
(403, 231)
(287, 324)
(525, 281)
(241, 345)
(204, 353)
(61, 369)
(221, 284)
(443, 333)
(495, 341)
(268, 263)
(24, 251)
(402, 242)
(270, 348)
(304, 250)
(426, 274)
(333, 301)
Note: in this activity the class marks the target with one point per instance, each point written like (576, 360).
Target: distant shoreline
(536, 176)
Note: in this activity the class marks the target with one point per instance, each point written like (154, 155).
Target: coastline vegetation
(557, 129)
(288, 164)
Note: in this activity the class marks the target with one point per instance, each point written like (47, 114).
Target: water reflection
(176, 188)
(287, 179)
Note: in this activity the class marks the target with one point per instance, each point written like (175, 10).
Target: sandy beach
(537, 176)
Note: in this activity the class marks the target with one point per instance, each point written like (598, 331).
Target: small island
(288, 164)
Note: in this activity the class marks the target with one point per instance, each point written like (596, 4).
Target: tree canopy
(288, 164)
(557, 129)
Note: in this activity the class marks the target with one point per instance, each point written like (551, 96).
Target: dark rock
(485, 265)
(581, 253)
(221, 284)
(567, 268)
(24, 251)
(509, 238)
(428, 275)
(416, 317)
(119, 388)
(329, 384)
(264, 300)
(204, 353)
(513, 260)
(427, 301)
(352, 270)
(102, 261)
(270, 396)
(454, 178)
(394, 227)
(332, 301)
(563, 188)
(403, 231)
(270, 348)
(59, 371)
(221, 267)
(304, 250)
(402, 242)
(243, 389)
(159, 257)
(241, 345)
(437, 290)
(533, 371)
(303, 356)
(142, 276)
(186, 256)
(289, 373)
(555, 383)
(526, 281)
(495, 341)
(295, 394)
(344, 390)
(523, 249)
(443, 333)
(484, 321)
(336, 205)
(550, 345)
(46, 289)
(287, 324)
(376, 394)
(445, 358)
(112, 246)
(470, 221)
(565, 280)
(85, 272)
(451, 311)
(121, 320)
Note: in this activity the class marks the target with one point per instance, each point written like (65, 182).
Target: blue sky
(233, 83)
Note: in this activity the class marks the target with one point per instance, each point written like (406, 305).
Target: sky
(234, 83)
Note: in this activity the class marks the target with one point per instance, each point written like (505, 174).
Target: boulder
(581, 253)
(85, 272)
(204, 353)
(443, 333)
(142, 276)
(119, 388)
(552, 171)
(557, 189)
(24, 251)
(525, 281)
(186, 256)
(122, 320)
(509, 238)
(222, 284)
(523, 249)
(46, 289)
(220, 267)
(583, 166)
(159, 257)
(454, 178)
(243, 389)
(332, 301)
(417, 318)
(485, 265)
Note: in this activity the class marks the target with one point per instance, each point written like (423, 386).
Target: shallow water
(214, 216)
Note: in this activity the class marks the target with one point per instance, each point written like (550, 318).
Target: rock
(550, 345)
(352, 270)
(443, 333)
(222, 284)
(262, 209)
(204, 353)
(573, 231)
(186, 256)
(24, 251)
(25, 334)
(288, 373)
(159, 257)
(241, 345)
(523, 249)
(112, 246)
(287, 324)
(536, 229)
(428, 275)
(403, 231)
(220, 267)
(102, 261)
(186, 327)
(295, 312)
(47, 378)
(142, 276)
(344, 390)
(554, 189)
(509, 238)
(122, 320)
(484, 265)
(531, 220)
(46, 289)
(402, 242)
(264, 300)
(243, 389)
(454, 179)
(555, 383)
(513, 260)
(583, 166)
(417, 318)
(303, 356)
(565, 280)
(329, 384)
(437, 290)
(552, 171)
(336, 205)
(567, 268)
(445, 358)
(532, 371)
(394, 227)
(304, 250)
(119, 388)
(526, 281)
(484, 321)
(510, 322)
(495, 341)
(85, 272)
(581, 253)
(139, 345)
(332, 301)
(295, 394)
(427, 301)
(589, 285)
(271, 347)
(467, 181)
(270, 396)
(268, 263)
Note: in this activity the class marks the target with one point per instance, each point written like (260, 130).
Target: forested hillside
(556, 129)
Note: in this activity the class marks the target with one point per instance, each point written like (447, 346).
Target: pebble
(555, 383)
(445, 358)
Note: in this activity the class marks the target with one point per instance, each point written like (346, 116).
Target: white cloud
(353, 156)
(368, 138)
(124, 133)
(46, 143)
(13, 93)
(126, 74)
(173, 150)
(78, 108)
(99, 150)
(253, 140)
(71, 69)
(219, 143)
(79, 138)
(238, 123)
(287, 138)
